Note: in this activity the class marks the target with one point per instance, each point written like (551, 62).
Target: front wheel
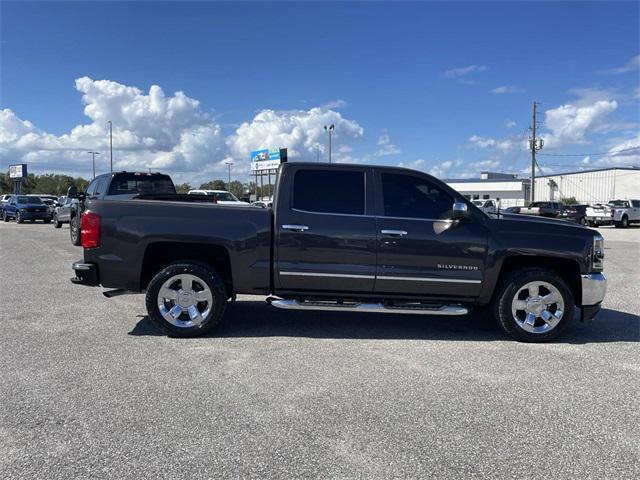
(19, 218)
(74, 230)
(5, 218)
(534, 305)
(186, 299)
(56, 223)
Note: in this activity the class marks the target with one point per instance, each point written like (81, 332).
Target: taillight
(90, 229)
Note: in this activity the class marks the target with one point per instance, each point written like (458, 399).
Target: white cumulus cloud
(298, 130)
(386, 146)
(569, 124)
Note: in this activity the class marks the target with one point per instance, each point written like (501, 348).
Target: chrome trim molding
(594, 287)
(380, 277)
(316, 274)
(286, 304)
(428, 279)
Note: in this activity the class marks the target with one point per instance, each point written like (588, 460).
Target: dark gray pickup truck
(353, 238)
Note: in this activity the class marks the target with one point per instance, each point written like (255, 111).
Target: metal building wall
(590, 187)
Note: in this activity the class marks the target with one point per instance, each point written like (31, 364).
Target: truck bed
(131, 230)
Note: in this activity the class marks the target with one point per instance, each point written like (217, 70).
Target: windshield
(29, 200)
(478, 203)
(134, 183)
(224, 197)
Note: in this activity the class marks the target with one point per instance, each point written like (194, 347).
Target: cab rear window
(131, 184)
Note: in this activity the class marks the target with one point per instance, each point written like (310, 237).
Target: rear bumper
(86, 274)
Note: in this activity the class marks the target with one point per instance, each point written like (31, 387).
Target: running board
(414, 309)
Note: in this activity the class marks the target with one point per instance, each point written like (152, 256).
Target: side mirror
(460, 211)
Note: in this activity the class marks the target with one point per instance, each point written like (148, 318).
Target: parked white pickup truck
(624, 212)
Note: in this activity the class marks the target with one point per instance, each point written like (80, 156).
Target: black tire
(583, 221)
(5, 218)
(624, 222)
(47, 220)
(204, 273)
(74, 230)
(56, 223)
(19, 218)
(510, 286)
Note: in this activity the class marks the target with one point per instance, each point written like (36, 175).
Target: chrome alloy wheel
(185, 300)
(537, 307)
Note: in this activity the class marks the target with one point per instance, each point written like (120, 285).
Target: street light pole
(93, 155)
(329, 131)
(229, 163)
(110, 146)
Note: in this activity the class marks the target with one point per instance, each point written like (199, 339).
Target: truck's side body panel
(129, 227)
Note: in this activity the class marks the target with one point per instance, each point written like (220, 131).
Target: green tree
(214, 185)
(569, 201)
(236, 188)
(183, 188)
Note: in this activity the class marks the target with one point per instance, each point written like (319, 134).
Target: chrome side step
(414, 309)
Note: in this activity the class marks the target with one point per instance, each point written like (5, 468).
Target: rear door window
(329, 191)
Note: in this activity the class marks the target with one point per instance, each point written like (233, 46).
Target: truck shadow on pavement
(256, 319)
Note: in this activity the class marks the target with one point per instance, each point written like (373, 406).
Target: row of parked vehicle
(620, 213)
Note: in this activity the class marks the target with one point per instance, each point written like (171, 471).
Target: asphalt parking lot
(89, 389)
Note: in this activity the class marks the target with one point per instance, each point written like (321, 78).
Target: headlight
(597, 254)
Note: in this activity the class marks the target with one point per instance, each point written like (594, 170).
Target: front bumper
(86, 274)
(594, 287)
(35, 215)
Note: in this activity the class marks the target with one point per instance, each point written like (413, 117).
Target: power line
(589, 154)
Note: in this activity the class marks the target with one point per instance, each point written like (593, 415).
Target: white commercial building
(590, 186)
(586, 186)
(507, 188)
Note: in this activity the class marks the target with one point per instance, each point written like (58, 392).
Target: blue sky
(443, 87)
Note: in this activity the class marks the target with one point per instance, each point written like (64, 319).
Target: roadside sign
(18, 171)
(266, 159)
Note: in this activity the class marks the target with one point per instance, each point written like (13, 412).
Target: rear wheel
(74, 230)
(186, 299)
(533, 305)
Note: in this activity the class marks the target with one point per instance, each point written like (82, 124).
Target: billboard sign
(18, 171)
(265, 159)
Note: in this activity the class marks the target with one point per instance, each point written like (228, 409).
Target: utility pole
(110, 146)
(93, 155)
(329, 131)
(535, 144)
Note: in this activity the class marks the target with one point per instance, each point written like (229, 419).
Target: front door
(421, 251)
(325, 233)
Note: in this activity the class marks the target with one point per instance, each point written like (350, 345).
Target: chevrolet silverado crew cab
(386, 240)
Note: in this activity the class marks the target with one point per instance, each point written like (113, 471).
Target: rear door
(325, 234)
(421, 251)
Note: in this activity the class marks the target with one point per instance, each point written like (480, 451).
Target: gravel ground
(89, 389)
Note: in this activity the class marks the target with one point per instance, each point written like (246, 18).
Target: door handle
(394, 233)
(295, 228)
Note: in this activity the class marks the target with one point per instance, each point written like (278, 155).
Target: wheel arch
(158, 255)
(567, 269)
